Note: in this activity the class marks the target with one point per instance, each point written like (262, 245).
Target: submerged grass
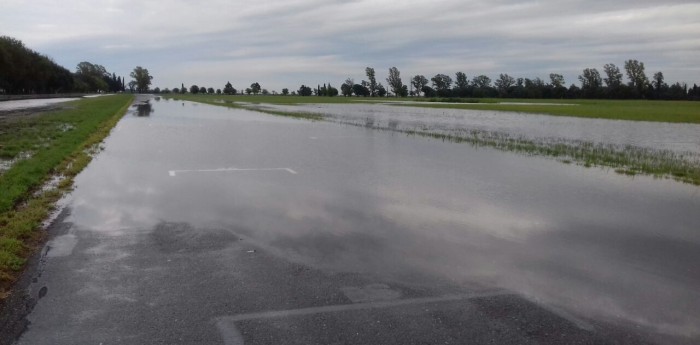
(628, 160)
(61, 143)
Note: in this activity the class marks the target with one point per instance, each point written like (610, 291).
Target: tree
(203, 90)
(248, 91)
(176, 90)
(304, 91)
(394, 82)
(442, 84)
(557, 81)
(360, 90)
(590, 82)
(418, 83)
(142, 79)
(372, 81)
(613, 78)
(461, 88)
(183, 89)
(461, 81)
(218, 91)
(658, 81)
(428, 91)
(636, 75)
(346, 88)
(481, 82)
(381, 91)
(228, 89)
(265, 92)
(285, 91)
(194, 89)
(503, 83)
(255, 88)
(210, 90)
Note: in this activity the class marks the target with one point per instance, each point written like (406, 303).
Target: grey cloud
(287, 43)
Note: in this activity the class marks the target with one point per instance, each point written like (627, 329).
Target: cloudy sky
(286, 43)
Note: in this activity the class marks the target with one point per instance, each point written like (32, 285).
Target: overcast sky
(286, 43)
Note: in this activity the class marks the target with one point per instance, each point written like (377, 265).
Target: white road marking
(232, 336)
(229, 333)
(175, 172)
(337, 137)
(357, 306)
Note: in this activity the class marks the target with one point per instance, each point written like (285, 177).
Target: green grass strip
(62, 144)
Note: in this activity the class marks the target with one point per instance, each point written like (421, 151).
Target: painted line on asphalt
(173, 173)
(337, 137)
(232, 336)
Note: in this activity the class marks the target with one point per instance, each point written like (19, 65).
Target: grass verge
(59, 143)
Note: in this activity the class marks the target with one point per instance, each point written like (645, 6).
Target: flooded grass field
(667, 150)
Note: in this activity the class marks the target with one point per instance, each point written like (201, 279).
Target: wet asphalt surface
(206, 225)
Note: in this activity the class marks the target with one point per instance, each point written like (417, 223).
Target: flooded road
(203, 224)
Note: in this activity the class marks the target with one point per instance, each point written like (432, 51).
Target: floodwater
(412, 210)
(31, 103)
(676, 137)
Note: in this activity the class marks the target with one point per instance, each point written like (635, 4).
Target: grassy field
(50, 144)
(632, 110)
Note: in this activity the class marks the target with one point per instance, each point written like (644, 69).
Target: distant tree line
(24, 71)
(593, 85)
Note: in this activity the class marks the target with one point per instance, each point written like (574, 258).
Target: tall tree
(658, 81)
(461, 85)
(557, 82)
(590, 82)
(91, 77)
(255, 88)
(395, 83)
(304, 91)
(481, 82)
(503, 83)
(613, 78)
(635, 73)
(461, 80)
(373, 88)
(142, 79)
(418, 83)
(442, 84)
(228, 88)
(346, 88)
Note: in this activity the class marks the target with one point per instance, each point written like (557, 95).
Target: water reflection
(413, 210)
(144, 109)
